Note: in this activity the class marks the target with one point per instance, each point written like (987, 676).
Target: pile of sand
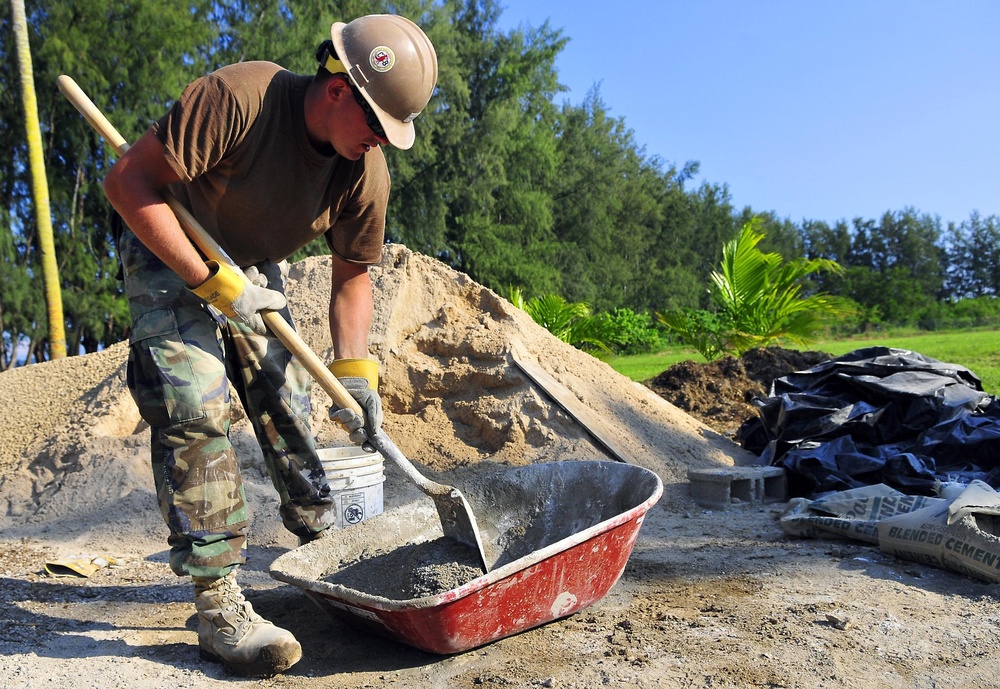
(73, 451)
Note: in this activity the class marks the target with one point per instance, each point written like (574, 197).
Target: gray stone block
(721, 487)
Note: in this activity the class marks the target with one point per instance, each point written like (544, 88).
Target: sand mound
(73, 453)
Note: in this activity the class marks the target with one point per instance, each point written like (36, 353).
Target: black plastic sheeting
(877, 415)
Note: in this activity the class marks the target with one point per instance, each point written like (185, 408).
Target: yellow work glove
(360, 378)
(240, 299)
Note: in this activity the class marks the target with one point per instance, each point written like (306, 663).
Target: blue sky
(812, 109)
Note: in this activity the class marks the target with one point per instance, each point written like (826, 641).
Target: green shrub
(633, 333)
(977, 312)
(706, 332)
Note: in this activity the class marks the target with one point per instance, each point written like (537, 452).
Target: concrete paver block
(720, 487)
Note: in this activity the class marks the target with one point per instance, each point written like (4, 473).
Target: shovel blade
(459, 523)
(457, 520)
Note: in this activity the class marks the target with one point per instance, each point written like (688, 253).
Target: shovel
(457, 520)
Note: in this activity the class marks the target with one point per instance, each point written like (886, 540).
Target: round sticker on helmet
(382, 58)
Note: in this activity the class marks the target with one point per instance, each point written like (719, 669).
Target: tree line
(504, 182)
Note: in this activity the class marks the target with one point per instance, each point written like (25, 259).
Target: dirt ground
(707, 599)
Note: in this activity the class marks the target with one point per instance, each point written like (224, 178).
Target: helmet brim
(400, 134)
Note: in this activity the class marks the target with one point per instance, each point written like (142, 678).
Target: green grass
(977, 350)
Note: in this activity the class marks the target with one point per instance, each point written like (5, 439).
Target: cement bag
(853, 514)
(963, 535)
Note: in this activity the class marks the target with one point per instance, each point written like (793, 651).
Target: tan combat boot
(231, 632)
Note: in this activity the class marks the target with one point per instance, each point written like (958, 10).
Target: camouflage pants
(182, 357)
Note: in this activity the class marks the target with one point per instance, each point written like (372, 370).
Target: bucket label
(353, 507)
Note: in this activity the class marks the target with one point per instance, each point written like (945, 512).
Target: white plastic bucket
(355, 479)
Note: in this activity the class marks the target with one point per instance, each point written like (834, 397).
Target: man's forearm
(350, 311)
(158, 229)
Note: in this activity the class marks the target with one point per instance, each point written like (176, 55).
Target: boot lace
(236, 609)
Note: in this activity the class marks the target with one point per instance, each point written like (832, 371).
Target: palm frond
(760, 300)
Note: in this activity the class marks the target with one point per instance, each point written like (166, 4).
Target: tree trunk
(39, 184)
(5, 361)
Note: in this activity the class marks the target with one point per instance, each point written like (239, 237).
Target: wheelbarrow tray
(558, 536)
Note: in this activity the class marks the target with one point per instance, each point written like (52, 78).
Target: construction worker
(266, 161)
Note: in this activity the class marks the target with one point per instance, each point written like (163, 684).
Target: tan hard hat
(393, 64)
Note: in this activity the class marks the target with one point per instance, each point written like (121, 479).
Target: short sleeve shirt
(249, 174)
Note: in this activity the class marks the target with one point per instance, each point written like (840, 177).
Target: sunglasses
(370, 116)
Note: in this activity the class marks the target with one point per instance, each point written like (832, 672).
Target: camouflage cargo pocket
(161, 373)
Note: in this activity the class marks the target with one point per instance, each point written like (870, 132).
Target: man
(266, 160)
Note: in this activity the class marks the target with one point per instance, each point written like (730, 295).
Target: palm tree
(759, 300)
(39, 185)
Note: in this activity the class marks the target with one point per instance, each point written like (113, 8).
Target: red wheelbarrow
(558, 536)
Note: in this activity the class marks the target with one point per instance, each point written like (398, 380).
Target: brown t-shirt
(237, 138)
